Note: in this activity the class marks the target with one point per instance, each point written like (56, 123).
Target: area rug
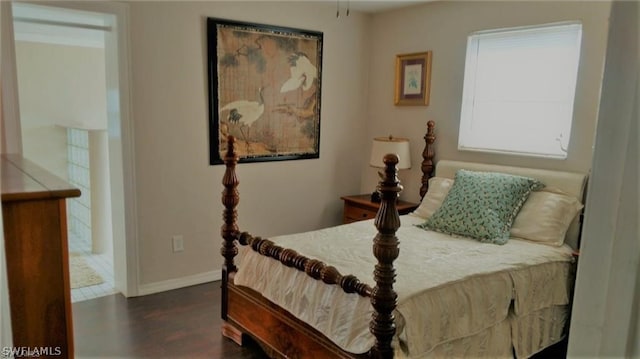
(82, 275)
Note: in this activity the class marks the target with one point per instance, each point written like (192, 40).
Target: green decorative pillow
(482, 205)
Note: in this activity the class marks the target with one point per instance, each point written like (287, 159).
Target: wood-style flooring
(182, 323)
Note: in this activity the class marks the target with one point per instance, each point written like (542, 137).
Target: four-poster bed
(279, 297)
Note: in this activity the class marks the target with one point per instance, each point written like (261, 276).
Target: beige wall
(443, 27)
(58, 85)
(178, 192)
(604, 319)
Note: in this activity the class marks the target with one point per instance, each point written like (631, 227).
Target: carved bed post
(427, 158)
(386, 250)
(229, 230)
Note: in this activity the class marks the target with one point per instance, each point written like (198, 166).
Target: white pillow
(438, 189)
(546, 216)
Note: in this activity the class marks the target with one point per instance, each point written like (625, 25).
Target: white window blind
(519, 89)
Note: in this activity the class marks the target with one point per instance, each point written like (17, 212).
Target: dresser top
(24, 180)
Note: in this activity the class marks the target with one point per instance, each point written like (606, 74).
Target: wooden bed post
(229, 230)
(427, 158)
(386, 250)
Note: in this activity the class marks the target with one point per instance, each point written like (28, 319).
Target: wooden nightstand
(360, 207)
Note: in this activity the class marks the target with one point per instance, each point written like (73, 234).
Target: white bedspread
(448, 288)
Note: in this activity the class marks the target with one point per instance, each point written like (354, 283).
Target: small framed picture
(413, 78)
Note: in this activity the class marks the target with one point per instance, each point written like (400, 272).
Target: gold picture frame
(413, 79)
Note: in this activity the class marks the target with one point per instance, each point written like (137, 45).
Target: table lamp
(385, 145)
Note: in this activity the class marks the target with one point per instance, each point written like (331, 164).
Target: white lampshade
(385, 145)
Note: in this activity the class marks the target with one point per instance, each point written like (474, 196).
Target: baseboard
(182, 282)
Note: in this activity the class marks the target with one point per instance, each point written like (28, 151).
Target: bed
(313, 295)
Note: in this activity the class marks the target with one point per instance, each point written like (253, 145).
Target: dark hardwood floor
(182, 323)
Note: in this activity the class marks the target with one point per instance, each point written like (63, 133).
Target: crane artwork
(264, 84)
(244, 113)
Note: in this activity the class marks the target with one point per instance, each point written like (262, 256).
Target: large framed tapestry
(264, 89)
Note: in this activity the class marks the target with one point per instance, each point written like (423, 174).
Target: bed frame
(280, 334)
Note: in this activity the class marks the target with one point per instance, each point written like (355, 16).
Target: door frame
(125, 252)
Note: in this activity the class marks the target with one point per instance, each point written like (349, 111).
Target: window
(519, 87)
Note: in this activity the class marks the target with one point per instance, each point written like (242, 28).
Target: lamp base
(375, 197)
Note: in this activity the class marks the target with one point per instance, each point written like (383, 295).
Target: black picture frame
(264, 89)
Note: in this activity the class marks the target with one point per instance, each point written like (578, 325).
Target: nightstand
(360, 207)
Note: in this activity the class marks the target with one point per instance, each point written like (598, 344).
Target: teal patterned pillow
(482, 205)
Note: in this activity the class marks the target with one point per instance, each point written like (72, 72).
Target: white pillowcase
(546, 216)
(438, 189)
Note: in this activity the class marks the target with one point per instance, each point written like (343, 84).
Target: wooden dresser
(35, 236)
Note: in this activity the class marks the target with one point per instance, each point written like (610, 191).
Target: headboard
(571, 183)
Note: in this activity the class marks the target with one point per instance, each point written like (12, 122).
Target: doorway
(73, 124)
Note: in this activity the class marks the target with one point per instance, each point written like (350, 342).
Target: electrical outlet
(178, 243)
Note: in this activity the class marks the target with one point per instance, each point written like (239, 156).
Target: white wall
(178, 192)
(10, 120)
(604, 321)
(443, 27)
(58, 85)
